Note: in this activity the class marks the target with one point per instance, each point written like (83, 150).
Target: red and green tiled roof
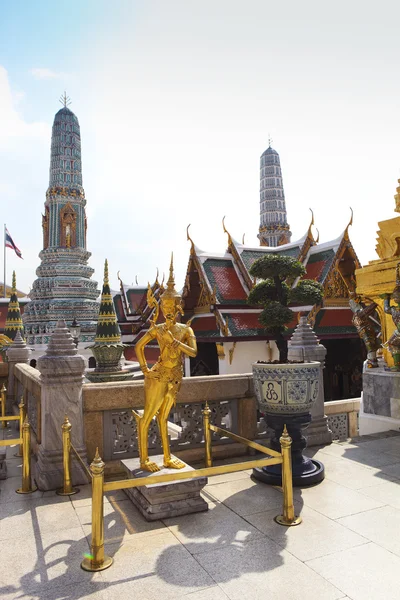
(205, 326)
(319, 264)
(249, 256)
(334, 322)
(221, 274)
(244, 324)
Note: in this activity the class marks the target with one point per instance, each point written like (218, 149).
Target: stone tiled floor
(347, 547)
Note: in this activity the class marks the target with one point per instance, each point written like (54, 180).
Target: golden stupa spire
(106, 271)
(14, 283)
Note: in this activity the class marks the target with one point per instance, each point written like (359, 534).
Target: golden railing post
(22, 415)
(67, 489)
(288, 517)
(3, 404)
(207, 436)
(97, 560)
(27, 487)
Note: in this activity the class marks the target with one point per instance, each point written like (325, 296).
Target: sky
(176, 101)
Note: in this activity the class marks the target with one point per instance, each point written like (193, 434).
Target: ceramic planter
(285, 394)
(286, 388)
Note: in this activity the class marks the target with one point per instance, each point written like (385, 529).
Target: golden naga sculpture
(163, 380)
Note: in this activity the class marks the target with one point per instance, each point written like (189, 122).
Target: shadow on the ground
(226, 539)
(225, 542)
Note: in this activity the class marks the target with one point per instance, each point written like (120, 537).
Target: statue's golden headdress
(171, 293)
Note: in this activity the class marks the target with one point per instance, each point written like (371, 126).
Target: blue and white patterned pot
(286, 388)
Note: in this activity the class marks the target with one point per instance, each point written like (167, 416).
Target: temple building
(274, 229)
(229, 334)
(63, 288)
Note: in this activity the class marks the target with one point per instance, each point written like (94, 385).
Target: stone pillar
(61, 371)
(304, 346)
(18, 352)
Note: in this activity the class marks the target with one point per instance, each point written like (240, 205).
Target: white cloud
(24, 155)
(41, 73)
(12, 125)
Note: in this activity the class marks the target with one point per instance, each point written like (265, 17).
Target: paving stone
(377, 526)
(334, 500)
(366, 572)
(245, 497)
(360, 454)
(316, 536)
(160, 568)
(204, 531)
(261, 570)
(44, 560)
(121, 520)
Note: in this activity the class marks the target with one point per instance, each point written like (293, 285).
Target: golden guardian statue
(163, 380)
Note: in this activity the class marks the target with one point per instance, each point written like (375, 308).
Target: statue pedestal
(380, 404)
(164, 500)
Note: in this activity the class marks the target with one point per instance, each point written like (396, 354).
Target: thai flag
(9, 243)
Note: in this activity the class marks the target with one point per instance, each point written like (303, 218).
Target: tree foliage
(275, 292)
(275, 265)
(307, 292)
(266, 291)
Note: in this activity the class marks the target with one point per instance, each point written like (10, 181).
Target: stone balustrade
(108, 422)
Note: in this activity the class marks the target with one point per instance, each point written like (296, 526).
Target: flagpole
(4, 249)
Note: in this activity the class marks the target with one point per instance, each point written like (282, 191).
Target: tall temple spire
(274, 229)
(63, 289)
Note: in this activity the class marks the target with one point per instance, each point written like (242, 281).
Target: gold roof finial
(346, 231)
(157, 283)
(189, 239)
(227, 232)
(136, 281)
(14, 283)
(65, 100)
(106, 271)
(309, 233)
(243, 239)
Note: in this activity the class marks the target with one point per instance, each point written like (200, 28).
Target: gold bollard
(67, 489)
(3, 404)
(288, 517)
(27, 487)
(22, 416)
(207, 436)
(97, 560)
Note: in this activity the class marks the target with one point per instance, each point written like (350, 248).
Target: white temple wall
(244, 354)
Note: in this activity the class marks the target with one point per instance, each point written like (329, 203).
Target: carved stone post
(18, 352)
(61, 371)
(304, 345)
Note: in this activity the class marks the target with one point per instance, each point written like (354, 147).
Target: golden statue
(163, 380)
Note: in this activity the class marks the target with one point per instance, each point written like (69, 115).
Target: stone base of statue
(380, 404)
(164, 500)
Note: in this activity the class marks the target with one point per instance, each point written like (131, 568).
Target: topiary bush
(275, 292)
